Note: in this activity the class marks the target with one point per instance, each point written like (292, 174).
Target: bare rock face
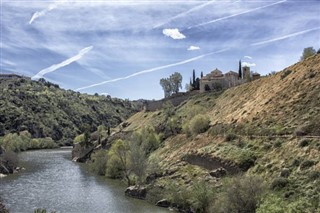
(81, 153)
(139, 192)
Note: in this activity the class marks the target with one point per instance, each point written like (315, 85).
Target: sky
(123, 48)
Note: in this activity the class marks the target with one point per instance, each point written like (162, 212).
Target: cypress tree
(240, 72)
(201, 75)
(194, 79)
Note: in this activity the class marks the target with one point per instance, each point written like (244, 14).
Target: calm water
(51, 180)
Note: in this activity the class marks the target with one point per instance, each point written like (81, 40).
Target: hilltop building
(216, 80)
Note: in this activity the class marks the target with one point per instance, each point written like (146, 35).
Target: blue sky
(123, 48)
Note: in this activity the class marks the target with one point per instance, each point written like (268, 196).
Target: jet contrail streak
(152, 69)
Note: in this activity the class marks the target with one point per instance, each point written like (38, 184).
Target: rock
(2, 175)
(81, 153)
(163, 203)
(139, 192)
(218, 173)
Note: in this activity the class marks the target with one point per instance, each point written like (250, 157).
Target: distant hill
(45, 110)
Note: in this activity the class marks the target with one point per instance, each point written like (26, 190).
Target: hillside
(45, 110)
(268, 128)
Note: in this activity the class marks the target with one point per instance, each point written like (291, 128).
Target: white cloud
(45, 11)
(64, 63)
(248, 64)
(284, 37)
(173, 33)
(193, 48)
(248, 57)
(237, 14)
(153, 69)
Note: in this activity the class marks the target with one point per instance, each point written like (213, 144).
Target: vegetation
(240, 194)
(172, 84)
(22, 141)
(307, 52)
(45, 110)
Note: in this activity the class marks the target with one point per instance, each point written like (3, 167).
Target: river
(52, 181)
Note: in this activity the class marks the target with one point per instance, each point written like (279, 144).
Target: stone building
(216, 80)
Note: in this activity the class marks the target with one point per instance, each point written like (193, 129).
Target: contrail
(44, 12)
(64, 63)
(238, 14)
(152, 69)
(184, 13)
(284, 37)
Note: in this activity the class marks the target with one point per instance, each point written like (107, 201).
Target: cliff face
(45, 110)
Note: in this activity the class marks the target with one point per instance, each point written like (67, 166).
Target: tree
(166, 86)
(172, 84)
(118, 160)
(176, 80)
(240, 71)
(201, 75)
(138, 159)
(307, 52)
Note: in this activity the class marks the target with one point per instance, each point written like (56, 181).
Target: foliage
(23, 141)
(202, 194)
(138, 160)
(275, 204)
(172, 84)
(307, 52)
(279, 183)
(44, 110)
(99, 160)
(240, 195)
(199, 124)
(118, 161)
(147, 138)
(42, 211)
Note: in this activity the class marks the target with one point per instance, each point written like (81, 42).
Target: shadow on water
(52, 181)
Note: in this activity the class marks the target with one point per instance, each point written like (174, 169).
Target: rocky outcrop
(218, 173)
(139, 192)
(81, 153)
(163, 203)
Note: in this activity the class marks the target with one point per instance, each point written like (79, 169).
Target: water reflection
(51, 180)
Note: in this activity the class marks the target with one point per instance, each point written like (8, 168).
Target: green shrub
(306, 164)
(99, 161)
(231, 137)
(304, 142)
(275, 204)
(279, 183)
(240, 194)
(314, 175)
(201, 196)
(199, 124)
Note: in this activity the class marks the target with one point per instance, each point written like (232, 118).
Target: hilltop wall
(175, 99)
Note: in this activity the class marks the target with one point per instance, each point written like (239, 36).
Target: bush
(99, 161)
(279, 183)
(314, 175)
(306, 164)
(201, 196)
(240, 194)
(304, 142)
(199, 124)
(231, 137)
(275, 204)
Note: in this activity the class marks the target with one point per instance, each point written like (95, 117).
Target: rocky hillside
(45, 110)
(269, 127)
